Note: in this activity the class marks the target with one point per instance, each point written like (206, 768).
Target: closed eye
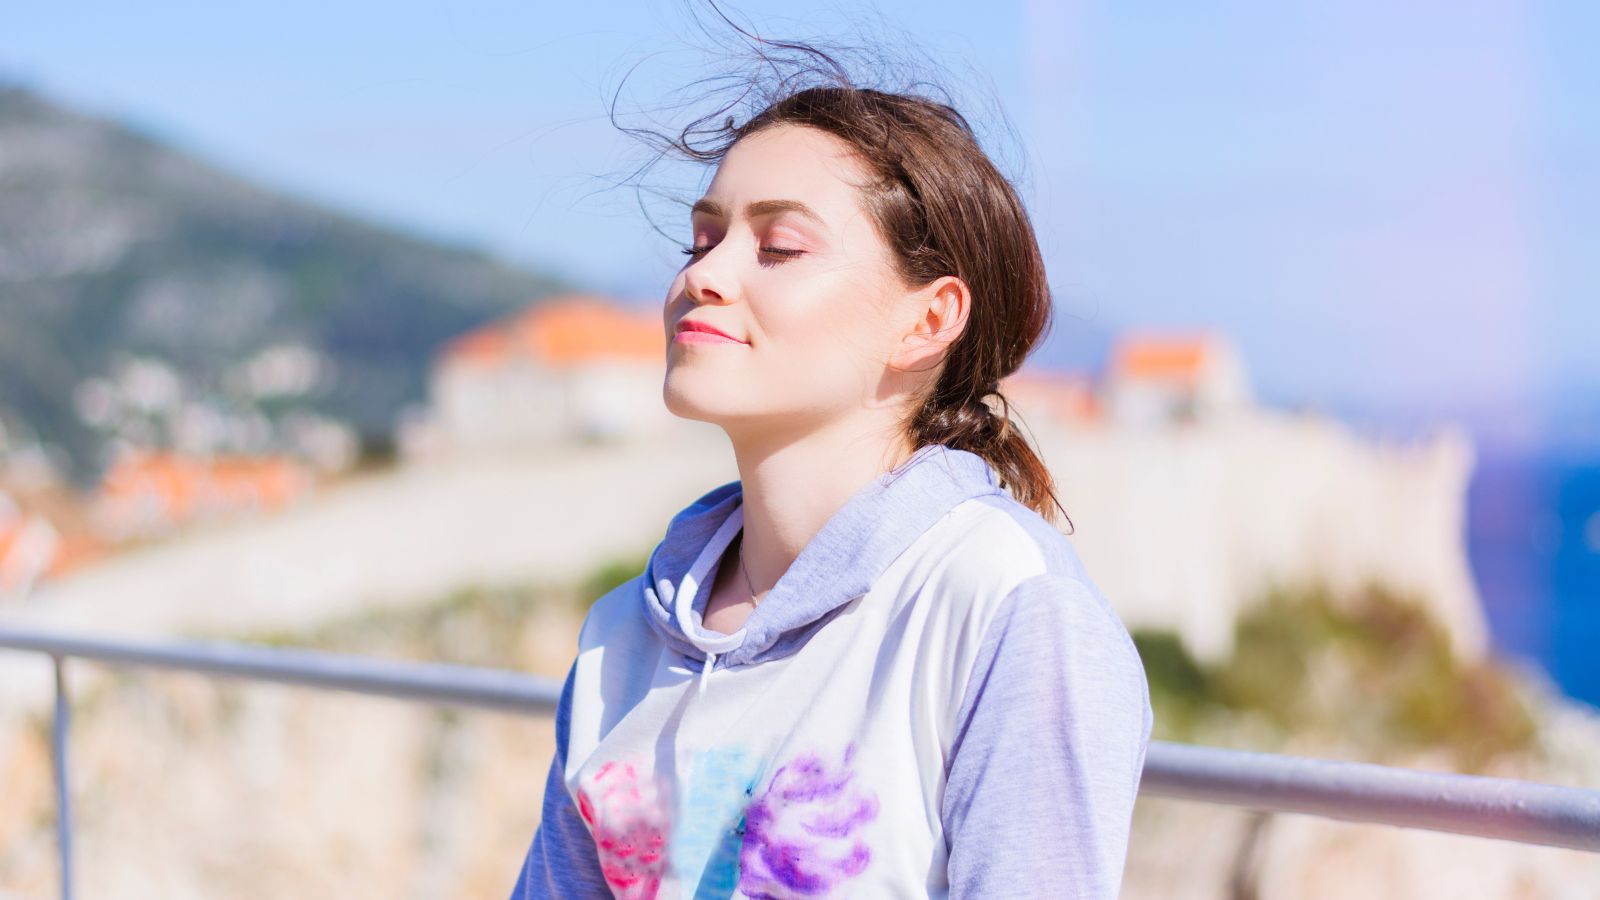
(783, 253)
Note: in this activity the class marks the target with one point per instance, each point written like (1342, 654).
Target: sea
(1533, 540)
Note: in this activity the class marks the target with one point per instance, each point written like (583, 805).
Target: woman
(871, 667)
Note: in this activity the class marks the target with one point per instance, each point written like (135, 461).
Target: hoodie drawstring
(705, 672)
(700, 574)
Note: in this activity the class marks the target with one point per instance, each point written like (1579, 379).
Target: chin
(695, 401)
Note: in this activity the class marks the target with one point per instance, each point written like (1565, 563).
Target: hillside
(117, 251)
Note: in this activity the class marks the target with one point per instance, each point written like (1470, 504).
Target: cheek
(827, 331)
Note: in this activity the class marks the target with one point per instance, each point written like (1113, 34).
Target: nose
(704, 282)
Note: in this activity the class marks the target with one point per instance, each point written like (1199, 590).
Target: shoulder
(1060, 615)
(617, 609)
(992, 570)
(989, 546)
(1039, 585)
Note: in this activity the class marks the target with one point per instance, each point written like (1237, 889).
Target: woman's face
(786, 263)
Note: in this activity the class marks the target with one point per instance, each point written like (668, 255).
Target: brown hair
(943, 208)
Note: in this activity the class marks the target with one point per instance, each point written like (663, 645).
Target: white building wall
(521, 405)
(1182, 529)
(618, 401)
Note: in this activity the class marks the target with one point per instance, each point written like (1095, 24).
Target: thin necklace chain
(747, 584)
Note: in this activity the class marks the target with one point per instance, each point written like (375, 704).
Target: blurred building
(145, 494)
(1186, 529)
(1156, 379)
(1067, 398)
(44, 533)
(568, 369)
(28, 547)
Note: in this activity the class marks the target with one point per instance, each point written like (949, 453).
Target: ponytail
(971, 424)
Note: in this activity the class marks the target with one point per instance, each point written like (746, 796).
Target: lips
(701, 332)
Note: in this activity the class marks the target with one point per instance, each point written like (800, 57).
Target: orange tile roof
(187, 486)
(66, 514)
(1155, 357)
(563, 331)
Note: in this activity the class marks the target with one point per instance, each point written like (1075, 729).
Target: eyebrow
(757, 208)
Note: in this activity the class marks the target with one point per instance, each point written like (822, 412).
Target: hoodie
(934, 700)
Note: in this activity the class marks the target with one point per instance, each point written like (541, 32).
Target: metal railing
(1501, 808)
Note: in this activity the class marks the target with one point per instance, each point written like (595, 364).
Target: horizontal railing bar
(1502, 808)
(455, 685)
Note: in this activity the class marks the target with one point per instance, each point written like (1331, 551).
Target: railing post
(58, 742)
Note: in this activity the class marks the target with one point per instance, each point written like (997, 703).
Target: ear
(938, 315)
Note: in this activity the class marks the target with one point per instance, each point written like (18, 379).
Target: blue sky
(1392, 208)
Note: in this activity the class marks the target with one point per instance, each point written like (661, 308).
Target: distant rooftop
(564, 331)
(1172, 357)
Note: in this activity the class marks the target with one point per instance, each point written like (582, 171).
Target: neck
(792, 485)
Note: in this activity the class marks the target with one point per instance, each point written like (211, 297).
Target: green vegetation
(131, 248)
(1371, 673)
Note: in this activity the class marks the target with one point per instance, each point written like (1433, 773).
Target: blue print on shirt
(710, 820)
